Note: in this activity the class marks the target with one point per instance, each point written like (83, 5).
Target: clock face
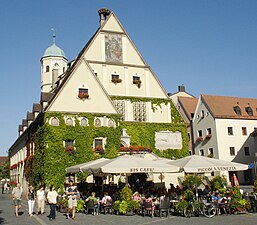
(56, 65)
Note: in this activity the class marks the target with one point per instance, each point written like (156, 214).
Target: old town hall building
(106, 101)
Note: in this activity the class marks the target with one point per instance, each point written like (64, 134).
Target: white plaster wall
(97, 48)
(112, 25)
(46, 77)
(236, 140)
(67, 100)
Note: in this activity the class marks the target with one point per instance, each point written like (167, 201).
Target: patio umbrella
(78, 168)
(130, 164)
(201, 164)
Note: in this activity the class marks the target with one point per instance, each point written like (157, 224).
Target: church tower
(53, 64)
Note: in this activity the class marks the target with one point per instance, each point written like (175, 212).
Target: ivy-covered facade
(47, 165)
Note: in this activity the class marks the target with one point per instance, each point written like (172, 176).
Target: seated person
(216, 197)
(95, 200)
(106, 198)
(136, 197)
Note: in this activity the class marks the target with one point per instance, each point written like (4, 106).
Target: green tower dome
(54, 50)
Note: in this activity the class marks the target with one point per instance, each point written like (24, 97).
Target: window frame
(230, 131)
(244, 131)
(248, 151)
(232, 149)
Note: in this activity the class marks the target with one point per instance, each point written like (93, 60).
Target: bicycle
(207, 209)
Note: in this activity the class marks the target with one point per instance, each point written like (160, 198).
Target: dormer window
(83, 93)
(249, 111)
(237, 110)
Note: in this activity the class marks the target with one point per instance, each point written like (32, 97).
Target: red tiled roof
(223, 106)
(189, 105)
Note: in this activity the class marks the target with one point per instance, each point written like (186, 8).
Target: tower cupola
(53, 64)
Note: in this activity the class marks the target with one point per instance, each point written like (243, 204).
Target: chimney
(103, 13)
(181, 88)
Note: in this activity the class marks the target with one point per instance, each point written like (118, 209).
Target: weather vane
(53, 35)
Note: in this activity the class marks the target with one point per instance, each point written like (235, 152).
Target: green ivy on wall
(143, 134)
(50, 159)
(155, 102)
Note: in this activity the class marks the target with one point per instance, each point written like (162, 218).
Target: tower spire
(53, 35)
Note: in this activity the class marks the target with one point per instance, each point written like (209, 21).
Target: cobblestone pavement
(7, 217)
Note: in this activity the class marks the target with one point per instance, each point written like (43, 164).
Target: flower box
(135, 149)
(14, 166)
(99, 149)
(199, 139)
(137, 82)
(70, 149)
(83, 95)
(208, 136)
(116, 80)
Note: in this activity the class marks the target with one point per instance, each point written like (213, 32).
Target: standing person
(31, 199)
(52, 200)
(40, 200)
(16, 194)
(71, 193)
(2, 187)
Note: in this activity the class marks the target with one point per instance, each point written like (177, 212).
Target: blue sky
(210, 46)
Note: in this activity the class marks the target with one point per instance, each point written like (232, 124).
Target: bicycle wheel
(209, 210)
(189, 211)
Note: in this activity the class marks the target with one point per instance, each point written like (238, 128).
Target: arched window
(47, 68)
(69, 122)
(54, 121)
(97, 122)
(111, 123)
(83, 122)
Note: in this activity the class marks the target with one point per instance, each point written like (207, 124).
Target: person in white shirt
(52, 200)
(40, 197)
(71, 193)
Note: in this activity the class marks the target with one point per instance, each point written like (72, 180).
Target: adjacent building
(224, 128)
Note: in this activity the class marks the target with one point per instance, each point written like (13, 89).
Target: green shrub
(80, 206)
(123, 207)
(180, 206)
(218, 183)
(116, 205)
(237, 201)
(192, 181)
(126, 194)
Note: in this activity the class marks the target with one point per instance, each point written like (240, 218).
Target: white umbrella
(130, 164)
(5, 179)
(201, 164)
(79, 167)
